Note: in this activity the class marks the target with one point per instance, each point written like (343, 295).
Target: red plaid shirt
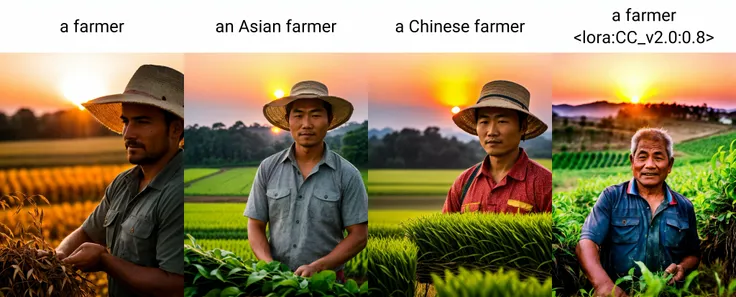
(526, 188)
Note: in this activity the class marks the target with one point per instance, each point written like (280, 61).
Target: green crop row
(385, 231)
(472, 283)
(485, 241)
(221, 273)
(705, 146)
(589, 160)
(392, 267)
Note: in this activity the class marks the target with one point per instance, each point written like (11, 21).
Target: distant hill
(379, 133)
(345, 128)
(598, 109)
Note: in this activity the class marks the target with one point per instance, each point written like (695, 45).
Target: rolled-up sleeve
(596, 224)
(169, 252)
(355, 200)
(257, 205)
(94, 225)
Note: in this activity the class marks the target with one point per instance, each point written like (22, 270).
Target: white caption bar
(367, 26)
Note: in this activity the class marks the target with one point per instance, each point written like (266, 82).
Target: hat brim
(275, 111)
(465, 119)
(108, 109)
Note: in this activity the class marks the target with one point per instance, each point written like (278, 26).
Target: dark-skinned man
(308, 194)
(640, 220)
(506, 181)
(136, 231)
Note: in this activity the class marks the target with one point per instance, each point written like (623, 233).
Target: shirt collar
(518, 171)
(160, 180)
(631, 189)
(327, 157)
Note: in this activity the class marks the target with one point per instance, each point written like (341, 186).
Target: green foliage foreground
(220, 273)
(475, 283)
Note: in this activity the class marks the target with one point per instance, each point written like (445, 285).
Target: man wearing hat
(135, 233)
(506, 181)
(307, 193)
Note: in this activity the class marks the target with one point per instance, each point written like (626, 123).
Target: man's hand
(307, 270)
(45, 253)
(87, 257)
(677, 270)
(607, 290)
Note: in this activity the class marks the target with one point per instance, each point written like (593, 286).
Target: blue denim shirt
(622, 224)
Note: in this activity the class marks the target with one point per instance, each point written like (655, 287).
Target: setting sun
(279, 93)
(275, 130)
(79, 89)
(635, 99)
(455, 109)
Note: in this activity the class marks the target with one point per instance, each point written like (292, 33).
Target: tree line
(24, 124)
(241, 145)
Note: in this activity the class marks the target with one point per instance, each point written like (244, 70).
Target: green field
(706, 146)
(195, 173)
(44, 153)
(232, 182)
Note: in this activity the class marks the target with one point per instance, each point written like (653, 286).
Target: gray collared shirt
(306, 217)
(146, 228)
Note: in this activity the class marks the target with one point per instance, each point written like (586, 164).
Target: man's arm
(589, 257)
(452, 202)
(72, 242)
(147, 281)
(257, 212)
(257, 239)
(347, 248)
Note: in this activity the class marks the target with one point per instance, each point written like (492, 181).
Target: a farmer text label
(82, 26)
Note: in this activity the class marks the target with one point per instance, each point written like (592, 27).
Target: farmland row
(589, 160)
(61, 184)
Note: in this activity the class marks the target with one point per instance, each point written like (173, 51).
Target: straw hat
(502, 94)
(275, 111)
(159, 86)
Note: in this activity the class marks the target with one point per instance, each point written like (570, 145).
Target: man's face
(498, 130)
(145, 133)
(308, 122)
(650, 163)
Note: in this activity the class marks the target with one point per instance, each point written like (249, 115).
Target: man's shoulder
(539, 170)
(343, 166)
(274, 159)
(681, 199)
(465, 175)
(616, 190)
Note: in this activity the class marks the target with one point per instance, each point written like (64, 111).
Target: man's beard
(145, 158)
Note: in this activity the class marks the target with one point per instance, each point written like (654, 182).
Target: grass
(195, 173)
(417, 182)
(392, 267)
(65, 152)
(486, 241)
(491, 284)
(233, 182)
(215, 220)
(395, 216)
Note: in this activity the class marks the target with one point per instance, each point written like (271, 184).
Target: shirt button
(300, 196)
(325, 196)
(294, 245)
(297, 221)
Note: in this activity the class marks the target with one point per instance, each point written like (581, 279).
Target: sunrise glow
(278, 93)
(275, 130)
(455, 109)
(78, 89)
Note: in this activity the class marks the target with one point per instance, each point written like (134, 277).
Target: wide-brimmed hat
(501, 94)
(159, 86)
(275, 111)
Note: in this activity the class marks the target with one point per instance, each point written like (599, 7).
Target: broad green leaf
(255, 277)
(213, 293)
(231, 292)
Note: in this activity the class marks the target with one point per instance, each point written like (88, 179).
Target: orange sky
(419, 90)
(234, 87)
(652, 78)
(50, 82)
